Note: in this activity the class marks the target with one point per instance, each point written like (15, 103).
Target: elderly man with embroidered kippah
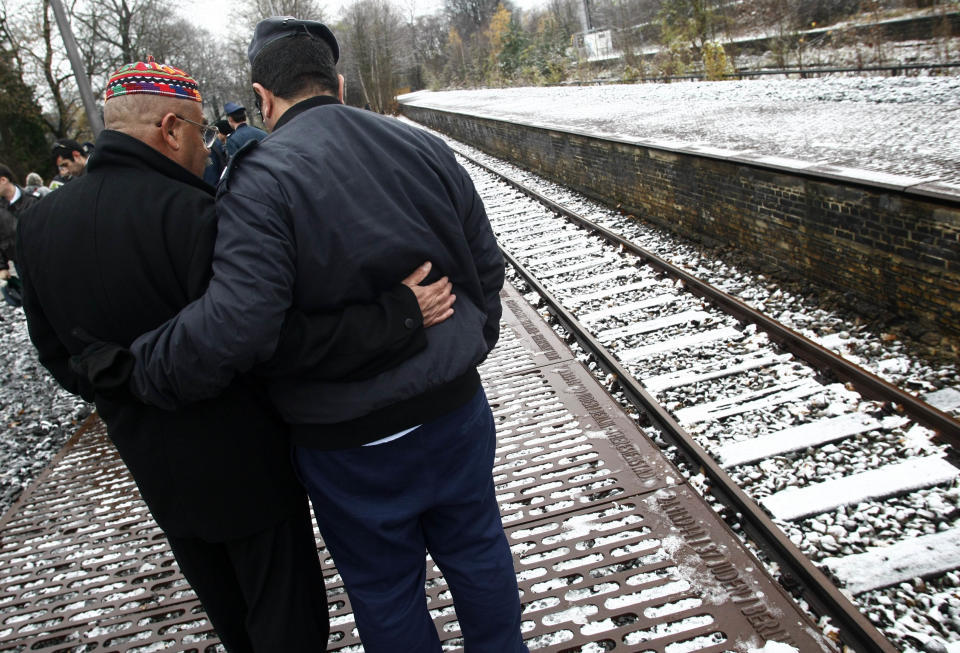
(120, 250)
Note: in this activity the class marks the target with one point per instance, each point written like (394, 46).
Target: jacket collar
(303, 105)
(115, 148)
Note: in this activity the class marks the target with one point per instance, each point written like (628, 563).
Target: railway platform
(613, 549)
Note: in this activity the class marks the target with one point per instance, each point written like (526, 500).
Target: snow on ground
(899, 125)
(38, 416)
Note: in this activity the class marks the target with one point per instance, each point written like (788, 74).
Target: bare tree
(118, 29)
(457, 69)
(111, 33)
(429, 43)
(253, 11)
(43, 61)
(469, 17)
(781, 16)
(565, 14)
(373, 32)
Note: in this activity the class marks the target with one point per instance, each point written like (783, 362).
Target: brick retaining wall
(893, 241)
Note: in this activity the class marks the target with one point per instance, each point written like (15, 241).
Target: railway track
(833, 471)
(613, 550)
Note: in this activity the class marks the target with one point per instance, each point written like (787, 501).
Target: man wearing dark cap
(70, 158)
(323, 212)
(242, 132)
(120, 250)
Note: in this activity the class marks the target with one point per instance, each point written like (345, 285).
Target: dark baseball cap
(232, 107)
(270, 29)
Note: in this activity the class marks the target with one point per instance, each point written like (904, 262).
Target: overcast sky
(213, 14)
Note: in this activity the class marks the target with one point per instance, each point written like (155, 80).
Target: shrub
(715, 62)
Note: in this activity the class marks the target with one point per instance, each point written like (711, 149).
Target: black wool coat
(119, 251)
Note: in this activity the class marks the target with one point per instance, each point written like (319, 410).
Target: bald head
(160, 122)
(133, 114)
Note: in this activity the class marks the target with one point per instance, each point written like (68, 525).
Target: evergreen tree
(22, 144)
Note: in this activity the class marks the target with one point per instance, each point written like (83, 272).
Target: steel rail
(868, 384)
(855, 629)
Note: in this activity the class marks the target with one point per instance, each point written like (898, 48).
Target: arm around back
(238, 320)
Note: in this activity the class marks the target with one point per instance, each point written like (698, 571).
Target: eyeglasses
(207, 132)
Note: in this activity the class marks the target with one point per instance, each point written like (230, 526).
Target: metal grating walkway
(613, 551)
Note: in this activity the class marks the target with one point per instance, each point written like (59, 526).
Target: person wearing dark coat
(321, 213)
(215, 163)
(218, 153)
(119, 251)
(242, 132)
(14, 200)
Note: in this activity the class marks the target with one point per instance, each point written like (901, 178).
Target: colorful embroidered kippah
(152, 78)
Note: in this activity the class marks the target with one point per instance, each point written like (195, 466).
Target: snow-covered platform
(613, 550)
(871, 212)
(903, 126)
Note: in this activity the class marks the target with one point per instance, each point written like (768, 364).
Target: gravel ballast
(38, 415)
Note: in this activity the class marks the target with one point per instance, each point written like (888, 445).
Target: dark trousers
(381, 508)
(263, 593)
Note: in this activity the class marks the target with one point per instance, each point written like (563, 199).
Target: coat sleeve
(8, 237)
(486, 257)
(236, 323)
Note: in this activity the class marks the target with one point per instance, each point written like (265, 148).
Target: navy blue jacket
(216, 162)
(242, 135)
(328, 210)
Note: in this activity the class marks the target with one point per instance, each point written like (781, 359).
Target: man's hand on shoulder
(435, 300)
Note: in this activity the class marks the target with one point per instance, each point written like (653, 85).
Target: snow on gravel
(38, 416)
(900, 125)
